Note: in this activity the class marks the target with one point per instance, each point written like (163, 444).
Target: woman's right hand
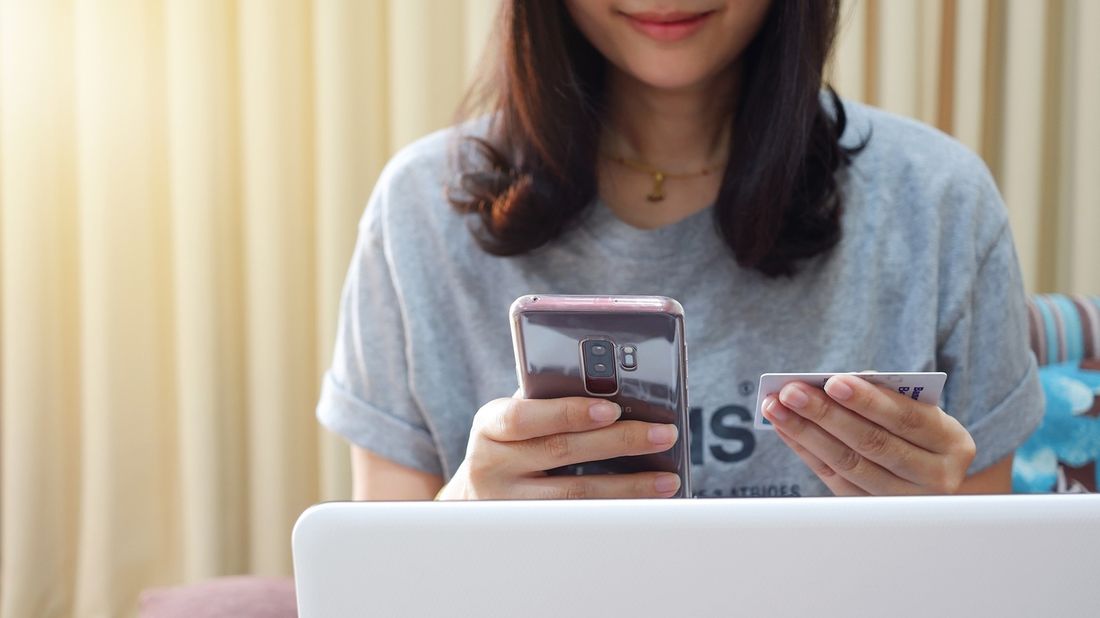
(514, 441)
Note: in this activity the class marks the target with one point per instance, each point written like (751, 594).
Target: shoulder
(925, 208)
(913, 170)
(412, 189)
(419, 171)
(904, 151)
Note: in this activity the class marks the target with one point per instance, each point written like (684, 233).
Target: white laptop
(938, 556)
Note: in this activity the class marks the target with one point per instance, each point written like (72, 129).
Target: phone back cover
(550, 366)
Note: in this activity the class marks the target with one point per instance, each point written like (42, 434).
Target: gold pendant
(658, 192)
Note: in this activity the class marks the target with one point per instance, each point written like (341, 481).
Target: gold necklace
(657, 194)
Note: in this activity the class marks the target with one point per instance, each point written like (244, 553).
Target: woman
(684, 149)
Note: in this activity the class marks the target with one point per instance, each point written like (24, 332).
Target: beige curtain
(179, 186)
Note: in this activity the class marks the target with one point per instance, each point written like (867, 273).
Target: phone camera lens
(598, 358)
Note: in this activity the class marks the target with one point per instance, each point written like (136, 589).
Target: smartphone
(627, 349)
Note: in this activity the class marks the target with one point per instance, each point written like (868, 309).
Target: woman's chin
(672, 72)
(671, 80)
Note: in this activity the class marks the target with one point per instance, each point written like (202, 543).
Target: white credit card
(924, 386)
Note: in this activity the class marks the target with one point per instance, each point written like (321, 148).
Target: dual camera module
(601, 363)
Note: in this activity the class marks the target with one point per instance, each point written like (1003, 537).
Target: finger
(860, 471)
(900, 457)
(618, 440)
(515, 420)
(839, 485)
(921, 424)
(639, 485)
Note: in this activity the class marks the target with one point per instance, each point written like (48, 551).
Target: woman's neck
(680, 131)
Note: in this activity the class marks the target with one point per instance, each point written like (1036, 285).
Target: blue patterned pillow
(1061, 456)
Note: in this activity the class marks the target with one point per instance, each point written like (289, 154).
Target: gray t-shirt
(925, 278)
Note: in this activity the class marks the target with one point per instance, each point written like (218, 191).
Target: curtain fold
(277, 176)
(128, 456)
(1081, 130)
(353, 143)
(39, 336)
(205, 201)
(180, 185)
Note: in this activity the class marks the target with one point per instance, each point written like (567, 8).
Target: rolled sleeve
(992, 378)
(1009, 423)
(366, 396)
(378, 431)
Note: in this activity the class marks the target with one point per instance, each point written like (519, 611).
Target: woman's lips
(668, 27)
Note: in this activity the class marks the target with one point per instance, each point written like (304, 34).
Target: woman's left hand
(861, 439)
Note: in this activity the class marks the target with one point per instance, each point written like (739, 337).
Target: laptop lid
(913, 556)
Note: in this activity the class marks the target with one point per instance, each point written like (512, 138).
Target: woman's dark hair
(535, 171)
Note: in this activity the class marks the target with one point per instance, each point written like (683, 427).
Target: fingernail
(793, 397)
(666, 483)
(603, 412)
(773, 411)
(837, 389)
(663, 434)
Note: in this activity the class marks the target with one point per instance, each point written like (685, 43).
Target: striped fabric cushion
(1064, 328)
